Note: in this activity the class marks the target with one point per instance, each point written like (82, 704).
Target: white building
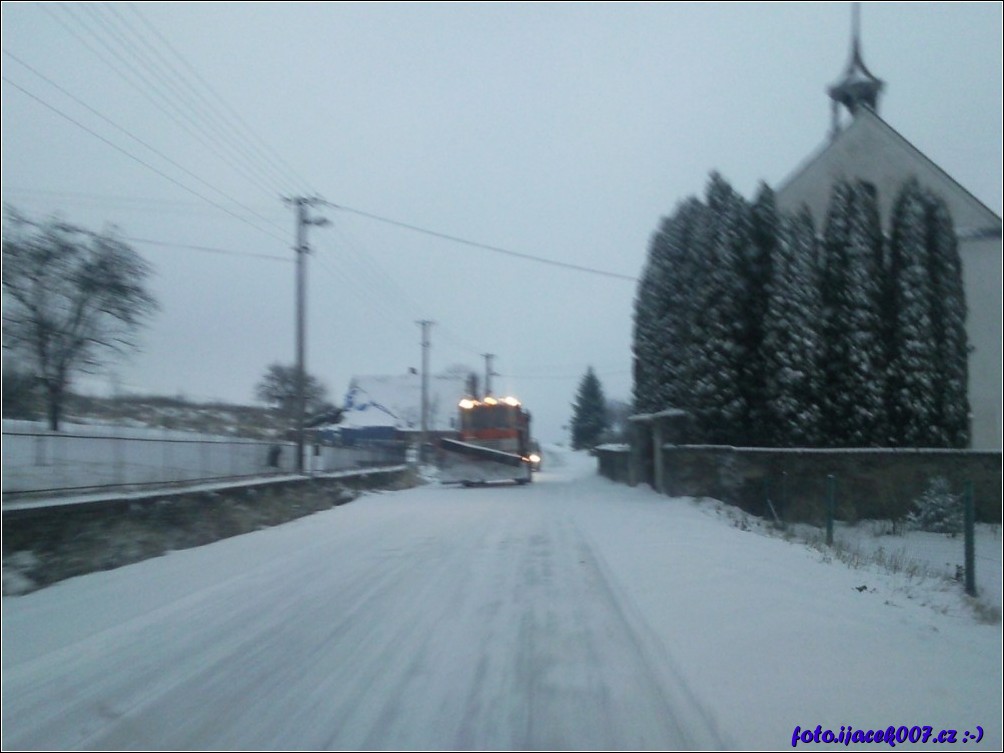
(869, 149)
(395, 401)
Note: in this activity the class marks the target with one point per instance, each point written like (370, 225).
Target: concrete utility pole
(489, 372)
(302, 203)
(425, 324)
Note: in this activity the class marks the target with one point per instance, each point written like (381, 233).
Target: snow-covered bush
(937, 509)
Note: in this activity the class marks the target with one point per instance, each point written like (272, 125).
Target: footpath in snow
(573, 613)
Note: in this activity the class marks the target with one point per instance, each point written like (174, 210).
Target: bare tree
(278, 389)
(73, 298)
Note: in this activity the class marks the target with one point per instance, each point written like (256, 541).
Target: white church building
(862, 146)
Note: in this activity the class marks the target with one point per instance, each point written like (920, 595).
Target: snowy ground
(572, 613)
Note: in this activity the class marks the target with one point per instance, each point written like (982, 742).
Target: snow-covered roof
(396, 400)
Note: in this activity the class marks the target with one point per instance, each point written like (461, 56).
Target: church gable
(869, 149)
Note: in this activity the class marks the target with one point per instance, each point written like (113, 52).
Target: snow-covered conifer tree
(912, 377)
(949, 322)
(589, 420)
(717, 327)
(663, 311)
(645, 335)
(792, 343)
(756, 273)
(679, 304)
(854, 360)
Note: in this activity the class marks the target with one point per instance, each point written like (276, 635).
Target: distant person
(274, 454)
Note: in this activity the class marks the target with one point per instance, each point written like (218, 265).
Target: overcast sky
(562, 131)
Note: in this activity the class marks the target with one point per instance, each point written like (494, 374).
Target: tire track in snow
(117, 688)
(451, 619)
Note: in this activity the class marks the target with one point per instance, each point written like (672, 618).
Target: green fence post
(784, 494)
(970, 534)
(831, 506)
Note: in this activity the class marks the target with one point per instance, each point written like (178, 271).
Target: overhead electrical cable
(208, 249)
(367, 274)
(140, 141)
(264, 149)
(484, 246)
(201, 106)
(387, 282)
(147, 165)
(148, 90)
(134, 203)
(379, 310)
(170, 91)
(352, 250)
(560, 377)
(375, 291)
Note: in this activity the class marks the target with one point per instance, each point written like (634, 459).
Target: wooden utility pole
(489, 372)
(302, 203)
(425, 324)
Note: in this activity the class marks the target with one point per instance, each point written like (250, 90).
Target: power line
(177, 100)
(264, 149)
(133, 203)
(484, 246)
(561, 378)
(372, 274)
(137, 139)
(187, 100)
(208, 249)
(199, 105)
(131, 156)
(370, 271)
(130, 72)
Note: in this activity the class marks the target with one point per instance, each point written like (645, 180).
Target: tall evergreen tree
(589, 420)
(756, 266)
(834, 281)
(792, 342)
(663, 311)
(678, 309)
(912, 400)
(854, 361)
(716, 359)
(645, 336)
(652, 307)
(948, 307)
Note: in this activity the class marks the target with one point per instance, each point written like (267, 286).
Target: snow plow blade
(470, 464)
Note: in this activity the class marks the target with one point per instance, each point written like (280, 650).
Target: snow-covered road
(565, 614)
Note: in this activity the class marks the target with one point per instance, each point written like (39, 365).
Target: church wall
(981, 271)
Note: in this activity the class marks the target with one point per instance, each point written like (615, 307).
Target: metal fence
(37, 462)
(811, 497)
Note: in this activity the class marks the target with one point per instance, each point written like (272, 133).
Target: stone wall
(869, 484)
(614, 462)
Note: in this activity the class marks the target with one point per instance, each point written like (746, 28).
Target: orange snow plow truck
(493, 444)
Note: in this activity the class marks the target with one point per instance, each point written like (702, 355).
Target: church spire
(858, 87)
